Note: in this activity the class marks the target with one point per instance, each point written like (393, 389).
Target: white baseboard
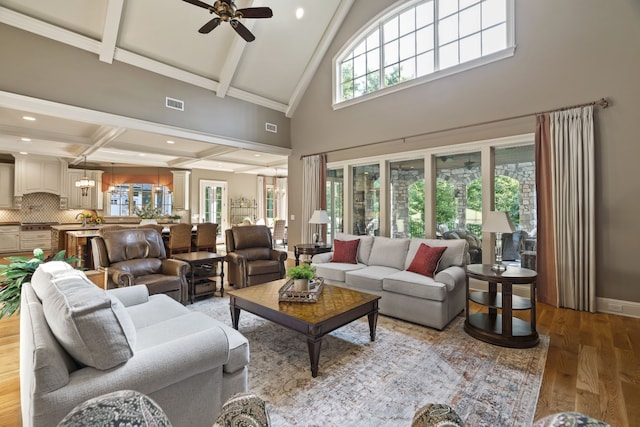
(615, 306)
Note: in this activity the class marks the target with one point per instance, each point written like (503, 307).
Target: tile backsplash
(40, 207)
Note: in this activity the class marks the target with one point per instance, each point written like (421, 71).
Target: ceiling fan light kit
(228, 12)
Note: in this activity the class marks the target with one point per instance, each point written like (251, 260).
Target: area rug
(383, 383)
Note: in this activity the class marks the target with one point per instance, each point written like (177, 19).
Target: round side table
(497, 325)
(310, 249)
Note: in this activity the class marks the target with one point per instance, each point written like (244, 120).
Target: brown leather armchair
(250, 257)
(137, 256)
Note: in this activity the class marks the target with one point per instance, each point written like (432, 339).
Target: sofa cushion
(92, 326)
(160, 283)
(140, 266)
(426, 260)
(415, 285)
(369, 278)
(454, 255)
(389, 252)
(335, 271)
(364, 249)
(345, 251)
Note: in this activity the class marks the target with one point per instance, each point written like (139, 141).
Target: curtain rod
(602, 102)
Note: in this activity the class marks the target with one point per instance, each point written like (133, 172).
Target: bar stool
(179, 239)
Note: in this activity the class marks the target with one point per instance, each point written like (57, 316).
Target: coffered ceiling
(162, 36)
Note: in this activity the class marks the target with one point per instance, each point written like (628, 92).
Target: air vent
(270, 127)
(175, 104)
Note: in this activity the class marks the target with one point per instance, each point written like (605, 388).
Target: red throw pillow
(426, 260)
(345, 251)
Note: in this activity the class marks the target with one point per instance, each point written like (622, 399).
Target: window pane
(448, 55)
(373, 81)
(408, 69)
(408, 21)
(493, 12)
(346, 70)
(406, 184)
(446, 8)
(391, 75)
(448, 30)
(408, 46)
(494, 39)
(391, 53)
(359, 66)
(347, 90)
(373, 41)
(360, 86)
(424, 39)
(366, 199)
(373, 60)
(391, 30)
(470, 48)
(470, 21)
(424, 64)
(360, 49)
(424, 14)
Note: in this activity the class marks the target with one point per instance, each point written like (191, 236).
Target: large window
(126, 198)
(422, 39)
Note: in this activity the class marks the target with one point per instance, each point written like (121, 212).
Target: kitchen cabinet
(29, 240)
(181, 190)
(94, 197)
(39, 175)
(6, 185)
(9, 238)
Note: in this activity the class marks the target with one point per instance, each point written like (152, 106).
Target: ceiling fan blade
(209, 26)
(242, 30)
(256, 12)
(199, 3)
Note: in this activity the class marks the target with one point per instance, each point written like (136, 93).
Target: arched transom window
(420, 41)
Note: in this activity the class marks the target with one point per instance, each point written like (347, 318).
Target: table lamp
(319, 217)
(498, 222)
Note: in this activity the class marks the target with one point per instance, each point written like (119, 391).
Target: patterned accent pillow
(426, 260)
(243, 410)
(345, 251)
(124, 408)
(436, 415)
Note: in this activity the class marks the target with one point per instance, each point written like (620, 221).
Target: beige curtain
(281, 198)
(313, 188)
(566, 191)
(261, 209)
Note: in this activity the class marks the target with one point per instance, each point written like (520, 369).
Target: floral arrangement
(19, 271)
(147, 212)
(90, 218)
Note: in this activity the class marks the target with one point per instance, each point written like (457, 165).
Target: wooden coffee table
(336, 307)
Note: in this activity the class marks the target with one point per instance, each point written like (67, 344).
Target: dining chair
(179, 239)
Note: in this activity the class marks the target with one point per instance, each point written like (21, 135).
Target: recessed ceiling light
(299, 13)
(31, 119)
(24, 152)
(170, 141)
(25, 139)
(258, 155)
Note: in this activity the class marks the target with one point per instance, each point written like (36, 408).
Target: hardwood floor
(593, 366)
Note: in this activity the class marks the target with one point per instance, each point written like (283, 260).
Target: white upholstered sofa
(78, 341)
(382, 269)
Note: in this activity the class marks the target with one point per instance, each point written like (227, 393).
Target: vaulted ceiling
(162, 37)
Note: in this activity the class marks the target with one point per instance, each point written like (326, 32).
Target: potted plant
(19, 271)
(175, 218)
(301, 275)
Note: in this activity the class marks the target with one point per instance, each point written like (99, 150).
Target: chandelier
(85, 183)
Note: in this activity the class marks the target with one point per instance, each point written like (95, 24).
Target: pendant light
(85, 183)
(158, 187)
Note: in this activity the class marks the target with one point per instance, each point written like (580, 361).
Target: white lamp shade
(498, 222)
(319, 217)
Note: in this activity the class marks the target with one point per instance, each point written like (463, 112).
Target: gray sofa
(78, 341)
(381, 269)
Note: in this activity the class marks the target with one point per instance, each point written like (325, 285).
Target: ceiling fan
(228, 12)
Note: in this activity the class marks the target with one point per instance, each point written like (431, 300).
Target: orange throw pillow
(345, 251)
(426, 260)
